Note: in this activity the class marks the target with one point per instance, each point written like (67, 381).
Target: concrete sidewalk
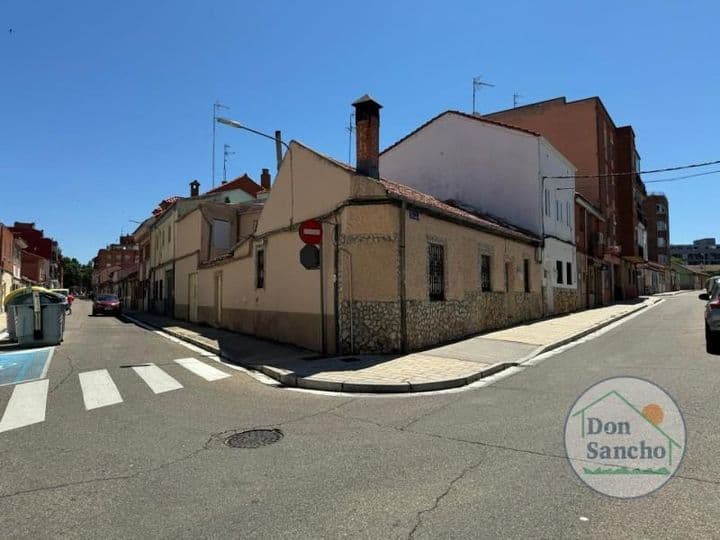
(443, 367)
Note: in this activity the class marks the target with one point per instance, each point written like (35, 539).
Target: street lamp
(278, 152)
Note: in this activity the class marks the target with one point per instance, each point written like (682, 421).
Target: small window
(485, 273)
(169, 234)
(558, 211)
(508, 276)
(662, 226)
(260, 269)
(661, 241)
(221, 234)
(436, 271)
(660, 208)
(526, 274)
(559, 271)
(568, 277)
(567, 213)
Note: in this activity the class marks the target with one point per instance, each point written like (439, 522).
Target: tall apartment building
(584, 132)
(657, 214)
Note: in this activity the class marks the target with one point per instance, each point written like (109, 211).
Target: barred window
(559, 271)
(568, 276)
(526, 274)
(436, 271)
(485, 273)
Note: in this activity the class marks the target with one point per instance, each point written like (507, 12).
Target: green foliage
(75, 274)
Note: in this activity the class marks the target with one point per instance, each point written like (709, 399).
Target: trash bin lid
(19, 296)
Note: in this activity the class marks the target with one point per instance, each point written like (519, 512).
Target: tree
(75, 274)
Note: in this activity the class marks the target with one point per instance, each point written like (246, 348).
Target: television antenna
(478, 83)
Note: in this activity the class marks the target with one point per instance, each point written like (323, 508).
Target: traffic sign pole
(322, 301)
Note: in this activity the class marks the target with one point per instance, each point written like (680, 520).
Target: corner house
(401, 270)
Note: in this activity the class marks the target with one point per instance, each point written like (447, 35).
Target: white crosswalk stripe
(209, 373)
(26, 405)
(98, 389)
(28, 402)
(156, 378)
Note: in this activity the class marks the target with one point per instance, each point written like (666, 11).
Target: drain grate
(254, 438)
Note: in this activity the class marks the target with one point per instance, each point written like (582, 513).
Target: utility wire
(652, 171)
(676, 178)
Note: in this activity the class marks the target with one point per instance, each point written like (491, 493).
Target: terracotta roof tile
(244, 182)
(453, 208)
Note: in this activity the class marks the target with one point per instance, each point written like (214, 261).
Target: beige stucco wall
(162, 239)
(370, 256)
(463, 247)
(248, 223)
(288, 307)
(189, 231)
(306, 186)
(183, 268)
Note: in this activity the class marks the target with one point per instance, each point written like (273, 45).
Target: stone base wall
(375, 327)
(433, 323)
(565, 301)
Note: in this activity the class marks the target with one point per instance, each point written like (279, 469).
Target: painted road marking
(98, 389)
(156, 378)
(21, 366)
(209, 373)
(26, 406)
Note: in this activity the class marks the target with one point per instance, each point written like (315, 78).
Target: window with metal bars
(526, 274)
(485, 285)
(436, 271)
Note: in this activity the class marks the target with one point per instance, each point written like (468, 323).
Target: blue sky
(106, 107)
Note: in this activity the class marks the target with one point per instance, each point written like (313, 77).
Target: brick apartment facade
(631, 224)
(113, 262)
(586, 134)
(39, 248)
(657, 214)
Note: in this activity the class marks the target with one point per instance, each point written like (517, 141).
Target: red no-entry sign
(311, 231)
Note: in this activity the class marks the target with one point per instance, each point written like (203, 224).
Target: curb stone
(579, 335)
(290, 379)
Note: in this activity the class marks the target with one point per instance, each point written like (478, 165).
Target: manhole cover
(254, 438)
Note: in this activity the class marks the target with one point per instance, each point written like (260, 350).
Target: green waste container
(38, 318)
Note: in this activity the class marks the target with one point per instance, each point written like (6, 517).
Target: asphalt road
(488, 461)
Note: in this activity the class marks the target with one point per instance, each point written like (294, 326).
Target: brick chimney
(367, 136)
(265, 179)
(194, 188)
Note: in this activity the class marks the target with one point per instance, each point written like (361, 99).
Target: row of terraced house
(466, 224)
(28, 257)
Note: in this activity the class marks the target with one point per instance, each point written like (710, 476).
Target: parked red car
(106, 303)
